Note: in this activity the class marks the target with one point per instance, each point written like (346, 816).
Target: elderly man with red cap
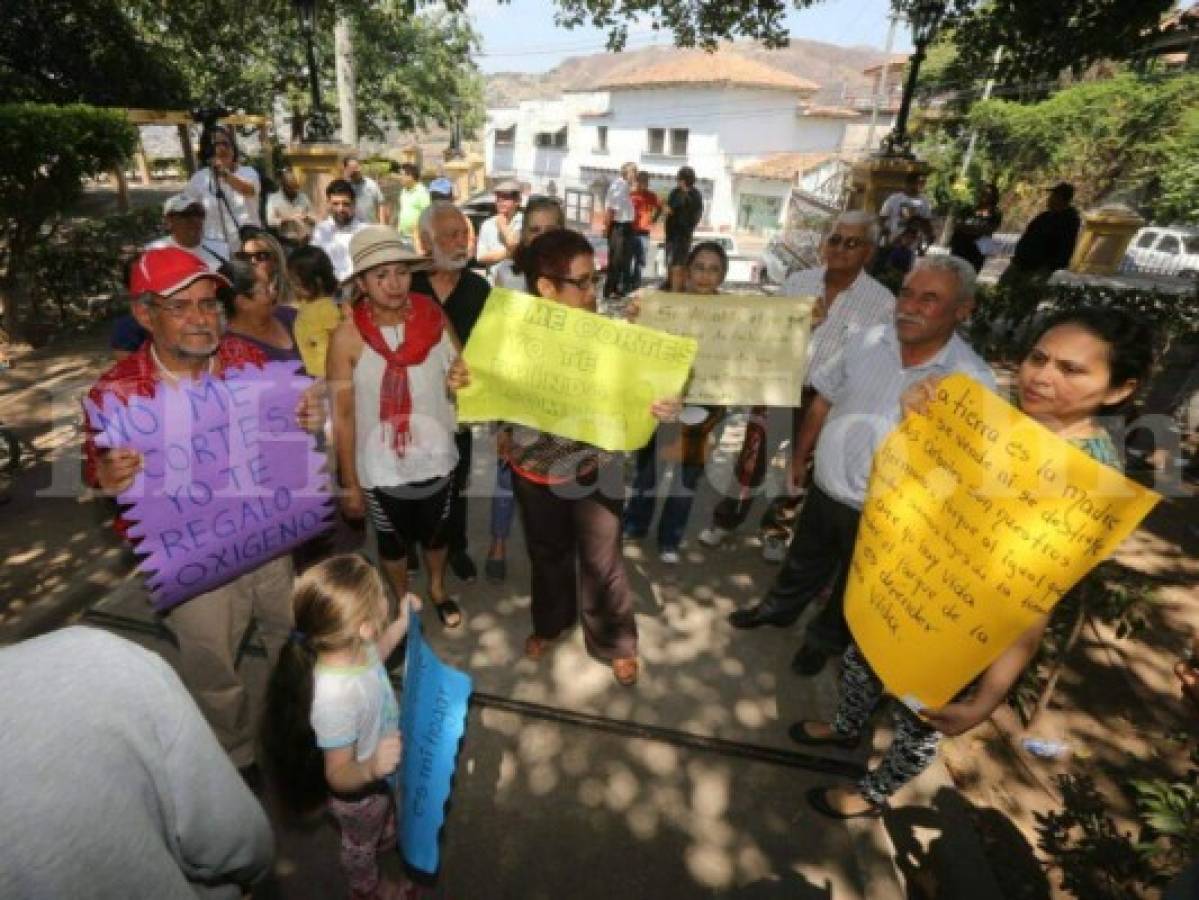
(174, 298)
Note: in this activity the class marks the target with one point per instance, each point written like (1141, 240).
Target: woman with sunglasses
(252, 314)
(266, 256)
(571, 494)
(228, 190)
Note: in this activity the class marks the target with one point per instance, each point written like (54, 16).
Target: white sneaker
(774, 549)
(670, 557)
(713, 536)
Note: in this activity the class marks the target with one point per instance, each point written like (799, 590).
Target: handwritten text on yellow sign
(752, 350)
(977, 521)
(569, 372)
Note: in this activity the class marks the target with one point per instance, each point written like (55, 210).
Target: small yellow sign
(976, 523)
(752, 350)
(569, 372)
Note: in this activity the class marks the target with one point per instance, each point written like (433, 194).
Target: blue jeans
(639, 510)
(503, 504)
(640, 255)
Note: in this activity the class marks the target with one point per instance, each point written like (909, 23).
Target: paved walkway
(685, 786)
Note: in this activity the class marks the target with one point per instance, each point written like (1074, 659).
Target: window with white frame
(678, 142)
(505, 137)
(601, 139)
(657, 141)
(554, 139)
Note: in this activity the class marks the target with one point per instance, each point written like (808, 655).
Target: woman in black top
(684, 209)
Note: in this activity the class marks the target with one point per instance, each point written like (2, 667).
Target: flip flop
(448, 610)
(818, 800)
(800, 734)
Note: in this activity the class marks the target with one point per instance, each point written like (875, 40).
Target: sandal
(800, 734)
(449, 612)
(818, 800)
(625, 670)
(536, 646)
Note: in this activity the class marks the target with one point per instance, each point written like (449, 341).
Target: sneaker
(463, 566)
(774, 548)
(670, 557)
(713, 536)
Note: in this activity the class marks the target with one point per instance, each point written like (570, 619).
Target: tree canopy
(415, 68)
(1132, 138)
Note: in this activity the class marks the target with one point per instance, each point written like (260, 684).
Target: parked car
(742, 269)
(1164, 250)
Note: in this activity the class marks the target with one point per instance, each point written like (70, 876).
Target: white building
(752, 134)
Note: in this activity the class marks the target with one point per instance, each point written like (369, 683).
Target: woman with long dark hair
(571, 494)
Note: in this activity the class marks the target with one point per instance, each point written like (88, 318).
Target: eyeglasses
(258, 256)
(222, 144)
(850, 243)
(583, 281)
(177, 309)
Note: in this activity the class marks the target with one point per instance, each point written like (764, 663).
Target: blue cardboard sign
(432, 721)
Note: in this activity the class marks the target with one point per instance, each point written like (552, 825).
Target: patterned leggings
(915, 743)
(368, 826)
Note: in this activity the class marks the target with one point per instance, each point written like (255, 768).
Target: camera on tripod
(208, 116)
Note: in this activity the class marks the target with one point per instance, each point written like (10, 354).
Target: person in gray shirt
(113, 785)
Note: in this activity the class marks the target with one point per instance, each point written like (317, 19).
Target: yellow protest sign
(568, 372)
(752, 350)
(976, 522)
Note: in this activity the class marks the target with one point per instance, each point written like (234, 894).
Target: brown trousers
(210, 628)
(573, 536)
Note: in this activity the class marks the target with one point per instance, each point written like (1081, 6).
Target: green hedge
(1004, 314)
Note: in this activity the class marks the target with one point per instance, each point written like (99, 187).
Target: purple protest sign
(229, 481)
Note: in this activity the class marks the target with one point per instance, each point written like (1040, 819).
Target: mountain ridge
(834, 67)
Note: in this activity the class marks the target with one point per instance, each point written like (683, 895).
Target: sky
(521, 36)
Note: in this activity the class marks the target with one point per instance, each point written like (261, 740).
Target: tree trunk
(347, 100)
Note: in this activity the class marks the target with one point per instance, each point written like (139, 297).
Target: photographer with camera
(228, 191)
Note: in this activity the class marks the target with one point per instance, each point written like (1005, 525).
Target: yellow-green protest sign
(976, 522)
(569, 372)
(752, 350)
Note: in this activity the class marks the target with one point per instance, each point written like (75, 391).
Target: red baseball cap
(166, 270)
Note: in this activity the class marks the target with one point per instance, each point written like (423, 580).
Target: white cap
(180, 202)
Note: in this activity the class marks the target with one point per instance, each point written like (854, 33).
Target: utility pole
(968, 157)
(347, 99)
(880, 86)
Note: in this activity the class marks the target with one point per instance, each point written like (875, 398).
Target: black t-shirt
(465, 303)
(1048, 242)
(686, 209)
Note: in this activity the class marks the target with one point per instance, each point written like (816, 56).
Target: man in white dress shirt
(857, 405)
(332, 234)
(848, 300)
(619, 215)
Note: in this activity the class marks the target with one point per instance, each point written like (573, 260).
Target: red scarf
(422, 332)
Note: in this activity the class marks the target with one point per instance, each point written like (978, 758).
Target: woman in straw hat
(393, 423)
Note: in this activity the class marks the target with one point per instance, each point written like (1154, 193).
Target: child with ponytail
(331, 724)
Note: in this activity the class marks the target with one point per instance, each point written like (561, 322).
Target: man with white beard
(462, 294)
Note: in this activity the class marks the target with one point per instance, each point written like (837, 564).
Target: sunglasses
(850, 243)
(583, 281)
(258, 256)
(222, 144)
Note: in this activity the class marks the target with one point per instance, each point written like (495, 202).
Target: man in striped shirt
(848, 301)
(857, 404)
